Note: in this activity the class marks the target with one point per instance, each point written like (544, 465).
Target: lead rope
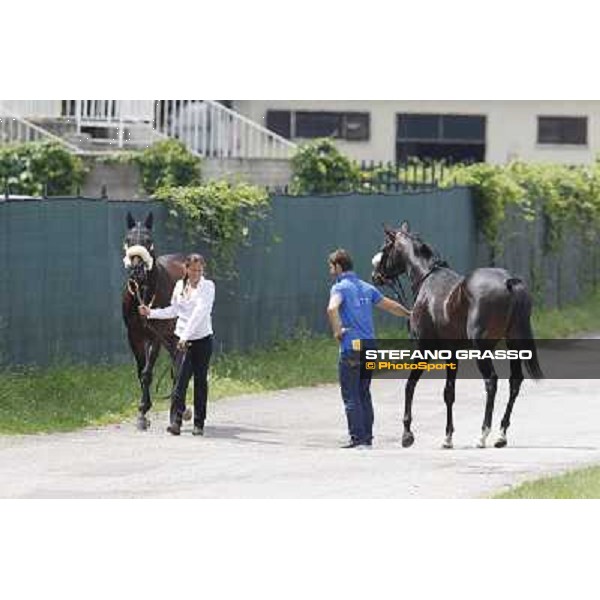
(136, 294)
(396, 286)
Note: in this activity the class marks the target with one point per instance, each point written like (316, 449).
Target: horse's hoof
(407, 439)
(143, 423)
(187, 414)
(481, 443)
(501, 443)
(447, 445)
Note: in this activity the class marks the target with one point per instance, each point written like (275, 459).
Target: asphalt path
(285, 445)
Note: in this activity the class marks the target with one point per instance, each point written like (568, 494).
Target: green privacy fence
(61, 270)
(556, 274)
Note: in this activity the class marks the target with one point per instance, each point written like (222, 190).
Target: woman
(192, 304)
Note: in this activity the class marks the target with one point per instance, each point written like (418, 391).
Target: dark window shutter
(562, 130)
(356, 126)
(280, 122)
(311, 124)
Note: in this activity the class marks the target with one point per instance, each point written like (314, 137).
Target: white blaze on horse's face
(140, 252)
(376, 260)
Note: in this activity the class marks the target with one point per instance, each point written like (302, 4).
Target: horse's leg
(449, 392)
(151, 351)
(137, 345)
(407, 436)
(475, 332)
(486, 368)
(515, 381)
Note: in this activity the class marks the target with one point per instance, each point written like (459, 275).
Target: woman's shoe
(197, 430)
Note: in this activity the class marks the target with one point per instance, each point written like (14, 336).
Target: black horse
(486, 306)
(150, 281)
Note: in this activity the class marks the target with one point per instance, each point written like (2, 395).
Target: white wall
(511, 130)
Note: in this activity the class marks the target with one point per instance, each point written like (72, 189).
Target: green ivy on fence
(564, 196)
(217, 213)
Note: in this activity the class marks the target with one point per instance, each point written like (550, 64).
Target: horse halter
(395, 282)
(144, 264)
(133, 287)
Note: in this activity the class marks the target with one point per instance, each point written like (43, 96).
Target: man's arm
(393, 307)
(334, 316)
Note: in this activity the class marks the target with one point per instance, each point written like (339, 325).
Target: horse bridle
(395, 283)
(136, 293)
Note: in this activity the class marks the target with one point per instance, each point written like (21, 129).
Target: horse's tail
(520, 325)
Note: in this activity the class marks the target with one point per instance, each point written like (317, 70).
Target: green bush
(219, 214)
(565, 196)
(32, 168)
(167, 164)
(320, 168)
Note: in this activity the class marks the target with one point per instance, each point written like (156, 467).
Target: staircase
(206, 127)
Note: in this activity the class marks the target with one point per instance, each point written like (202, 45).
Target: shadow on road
(234, 432)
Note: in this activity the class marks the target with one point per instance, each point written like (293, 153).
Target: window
(352, 126)
(436, 137)
(562, 130)
(455, 127)
(356, 126)
(280, 122)
(421, 127)
(318, 124)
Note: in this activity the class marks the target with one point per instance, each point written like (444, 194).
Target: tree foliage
(35, 168)
(167, 164)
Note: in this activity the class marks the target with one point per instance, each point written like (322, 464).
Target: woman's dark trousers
(194, 361)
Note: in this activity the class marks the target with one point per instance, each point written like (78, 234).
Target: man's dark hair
(342, 258)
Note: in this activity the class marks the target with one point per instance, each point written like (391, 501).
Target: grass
(569, 320)
(580, 484)
(68, 397)
(65, 398)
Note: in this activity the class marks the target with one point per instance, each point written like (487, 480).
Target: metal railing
(213, 130)
(33, 109)
(16, 129)
(206, 127)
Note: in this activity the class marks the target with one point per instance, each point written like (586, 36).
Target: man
(350, 313)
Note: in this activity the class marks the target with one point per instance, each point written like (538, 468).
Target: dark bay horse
(150, 281)
(486, 306)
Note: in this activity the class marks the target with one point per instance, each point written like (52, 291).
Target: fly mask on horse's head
(139, 252)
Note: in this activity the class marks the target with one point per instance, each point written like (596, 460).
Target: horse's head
(401, 251)
(139, 249)
(391, 260)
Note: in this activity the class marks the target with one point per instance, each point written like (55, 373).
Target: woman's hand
(144, 310)
(182, 345)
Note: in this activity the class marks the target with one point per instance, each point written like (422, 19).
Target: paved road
(284, 445)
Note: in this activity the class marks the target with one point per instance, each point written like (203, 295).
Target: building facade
(495, 131)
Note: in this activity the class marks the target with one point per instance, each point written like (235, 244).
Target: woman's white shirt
(193, 309)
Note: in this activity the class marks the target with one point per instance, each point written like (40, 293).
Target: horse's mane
(425, 250)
